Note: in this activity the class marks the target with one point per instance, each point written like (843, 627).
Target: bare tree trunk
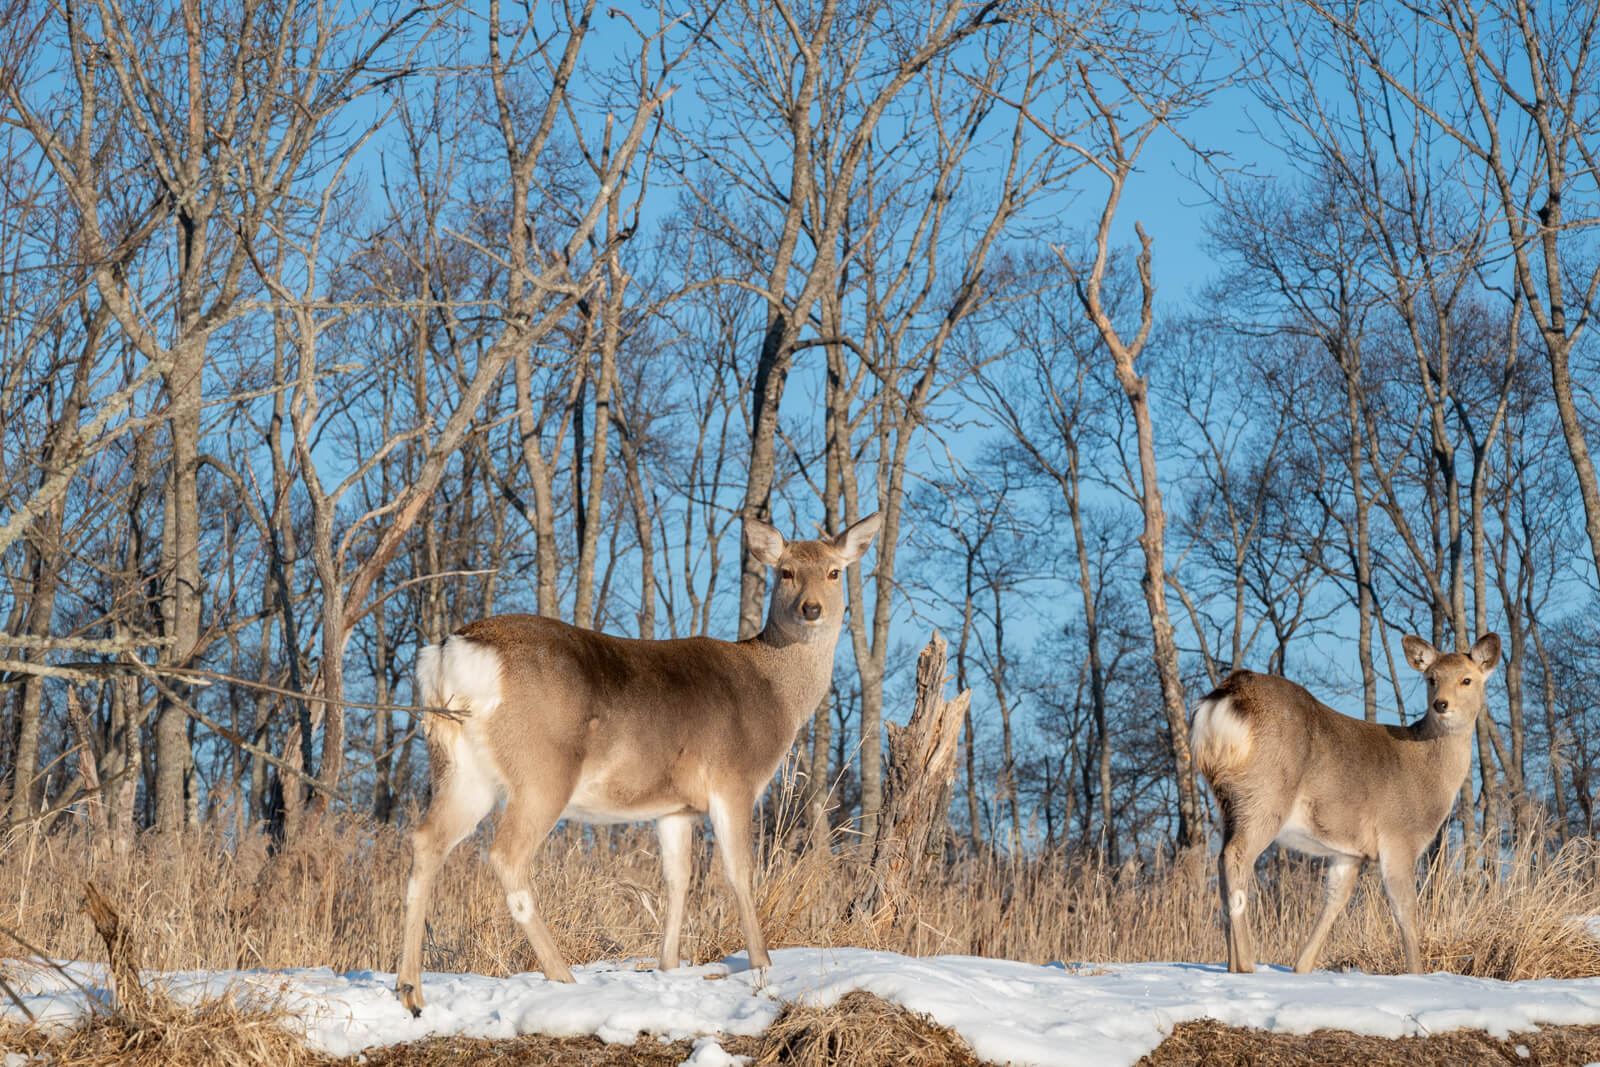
(43, 563)
(382, 725)
(1007, 793)
(644, 530)
(610, 336)
(1191, 814)
(180, 539)
(1191, 818)
(836, 429)
(541, 479)
(127, 721)
(1552, 729)
(1350, 363)
(181, 600)
(44, 579)
(969, 742)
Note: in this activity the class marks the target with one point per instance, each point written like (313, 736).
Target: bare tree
(1157, 76)
(822, 96)
(220, 155)
(541, 282)
(1517, 99)
(1059, 429)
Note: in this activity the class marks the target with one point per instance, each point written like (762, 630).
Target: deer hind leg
(1399, 870)
(730, 821)
(676, 834)
(460, 802)
(1245, 833)
(1339, 881)
(528, 819)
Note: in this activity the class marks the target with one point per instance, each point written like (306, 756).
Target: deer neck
(1449, 751)
(801, 667)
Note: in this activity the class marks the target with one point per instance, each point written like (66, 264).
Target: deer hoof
(411, 997)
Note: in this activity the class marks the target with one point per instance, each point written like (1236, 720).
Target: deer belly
(606, 798)
(1301, 833)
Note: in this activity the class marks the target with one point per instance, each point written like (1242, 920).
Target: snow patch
(709, 1053)
(1107, 1014)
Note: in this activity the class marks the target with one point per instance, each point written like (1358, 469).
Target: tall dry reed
(333, 898)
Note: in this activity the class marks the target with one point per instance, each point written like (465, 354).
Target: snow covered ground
(1056, 1014)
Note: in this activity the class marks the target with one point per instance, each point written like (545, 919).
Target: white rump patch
(521, 905)
(460, 674)
(1219, 738)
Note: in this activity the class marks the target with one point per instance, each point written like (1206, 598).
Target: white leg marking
(1236, 902)
(521, 905)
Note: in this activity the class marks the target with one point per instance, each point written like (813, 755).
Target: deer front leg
(676, 834)
(1399, 869)
(730, 821)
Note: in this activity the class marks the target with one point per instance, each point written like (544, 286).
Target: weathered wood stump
(122, 958)
(917, 783)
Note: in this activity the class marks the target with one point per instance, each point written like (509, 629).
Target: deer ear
(1486, 653)
(852, 544)
(1419, 653)
(765, 542)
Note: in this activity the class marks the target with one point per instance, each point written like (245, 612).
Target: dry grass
(1210, 1044)
(221, 1032)
(334, 898)
(531, 1049)
(862, 1029)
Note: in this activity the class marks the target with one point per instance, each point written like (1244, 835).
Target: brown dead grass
(223, 1032)
(862, 1029)
(538, 1049)
(1210, 1044)
(333, 898)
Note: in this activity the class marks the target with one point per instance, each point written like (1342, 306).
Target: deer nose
(811, 611)
(1441, 705)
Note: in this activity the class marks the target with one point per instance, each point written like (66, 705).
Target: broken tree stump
(917, 783)
(122, 959)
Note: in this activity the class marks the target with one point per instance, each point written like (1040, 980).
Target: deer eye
(787, 574)
(1466, 681)
(833, 574)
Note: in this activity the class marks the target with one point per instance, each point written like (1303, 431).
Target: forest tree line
(326, 332)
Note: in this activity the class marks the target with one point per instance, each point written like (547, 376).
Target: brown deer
(566, 723)
(1287, 768)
